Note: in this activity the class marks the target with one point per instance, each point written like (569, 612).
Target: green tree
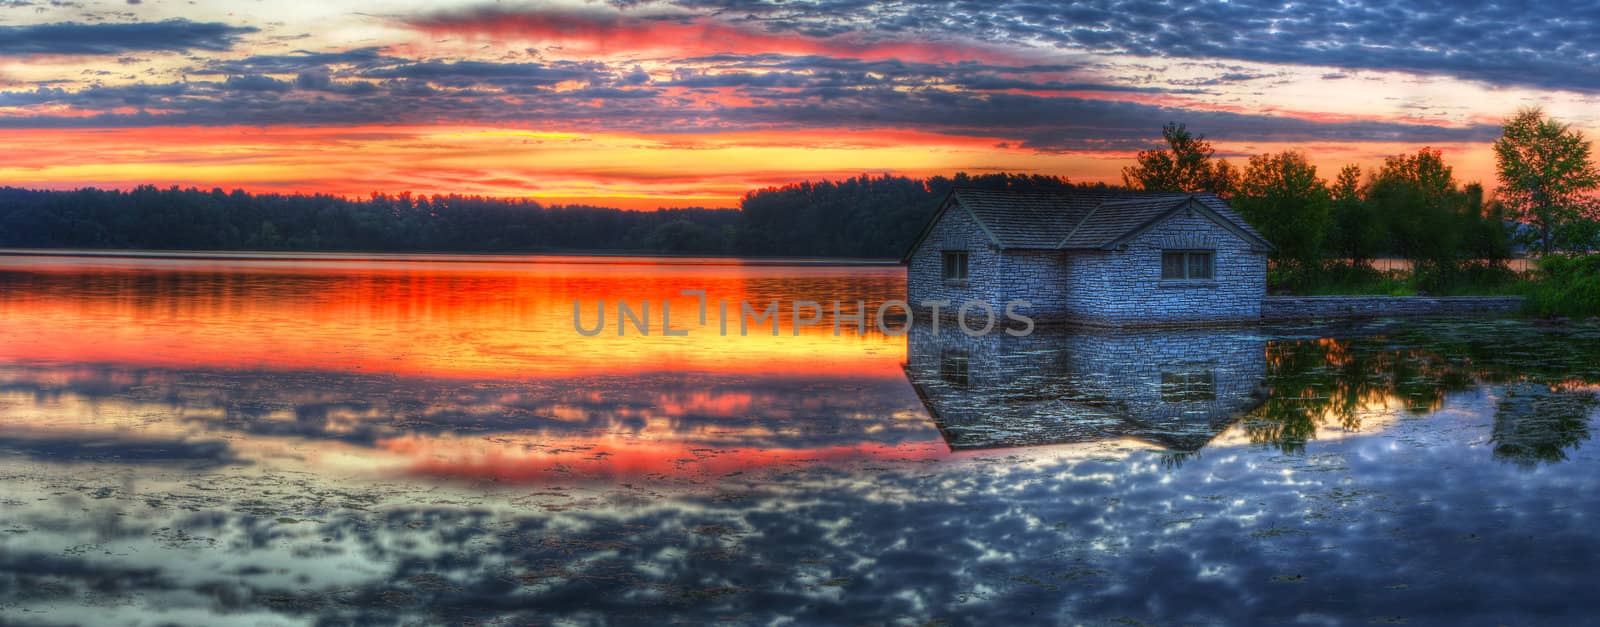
(1416, 198)
(1485, 236)
(1546, 178)
(1224, 179)
(1354, 231)
(1281, 195)
(1185, 165)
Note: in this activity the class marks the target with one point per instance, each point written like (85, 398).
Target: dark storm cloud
(175, 35)
(1546, 45)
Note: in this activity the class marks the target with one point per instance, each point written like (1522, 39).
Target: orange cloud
(607, 32)
(618, 170)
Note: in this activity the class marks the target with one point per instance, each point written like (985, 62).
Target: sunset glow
(672, 104)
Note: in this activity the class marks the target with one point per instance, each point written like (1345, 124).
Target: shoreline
(444, 257)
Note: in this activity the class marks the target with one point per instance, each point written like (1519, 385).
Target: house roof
(1079, 219)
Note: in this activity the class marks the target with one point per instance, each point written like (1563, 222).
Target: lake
(347, 439)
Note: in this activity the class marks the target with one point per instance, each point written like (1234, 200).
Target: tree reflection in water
(1413, 368)
(1534, 423)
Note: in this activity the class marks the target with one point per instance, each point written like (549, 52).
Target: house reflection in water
(1176, 388)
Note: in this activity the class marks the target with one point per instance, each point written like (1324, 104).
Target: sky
(642, 104)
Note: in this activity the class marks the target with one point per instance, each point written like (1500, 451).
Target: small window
(1193, 385)
(1179, 265)
(955, 265)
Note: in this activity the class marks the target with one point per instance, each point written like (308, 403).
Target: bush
(1337, 278)
(1567, 286)
(1472, 277)
(1343, 278)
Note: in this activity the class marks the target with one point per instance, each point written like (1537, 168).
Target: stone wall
(993, 277)
(1103, 288)
(1282, 308)
(1125, 288)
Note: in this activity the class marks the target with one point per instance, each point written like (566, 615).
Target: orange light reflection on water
(461, 368)
(455, 319)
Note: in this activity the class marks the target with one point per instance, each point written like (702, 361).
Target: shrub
(1470, 277)
(1567, 286)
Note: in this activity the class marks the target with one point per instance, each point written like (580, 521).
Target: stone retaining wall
(1279, 308)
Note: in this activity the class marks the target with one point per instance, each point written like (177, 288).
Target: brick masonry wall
(1282, 308)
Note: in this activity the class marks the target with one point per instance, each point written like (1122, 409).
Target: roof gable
(1236, 224)
(945, 206)
(1112, 220)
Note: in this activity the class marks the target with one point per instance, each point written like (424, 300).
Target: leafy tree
(1485, 236)
(1416, 198)
(1185, 165)
(1435, 223)
(1354, 231)
(1224, 179)
(1281, 195)
(1546, 178)
(864, 216)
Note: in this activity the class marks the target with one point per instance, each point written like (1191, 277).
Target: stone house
(1094, 257)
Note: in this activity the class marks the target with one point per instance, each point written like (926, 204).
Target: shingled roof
(1079, 219)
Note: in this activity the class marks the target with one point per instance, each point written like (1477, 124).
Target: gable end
(1256, 243)
(950, 199)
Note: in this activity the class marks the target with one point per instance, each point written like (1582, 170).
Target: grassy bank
(1561, 285)
(1566, 286)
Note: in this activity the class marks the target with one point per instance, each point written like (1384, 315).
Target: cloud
(602, 30)
(1546, 45)
(66, 38)
(468, 73)
(298, 61)
(257, 83)
(1030, 106)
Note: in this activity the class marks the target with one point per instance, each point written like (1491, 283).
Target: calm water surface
(273, 441)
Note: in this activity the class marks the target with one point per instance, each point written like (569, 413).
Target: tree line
(1410, 207)
(147, 217)
(864, 216)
